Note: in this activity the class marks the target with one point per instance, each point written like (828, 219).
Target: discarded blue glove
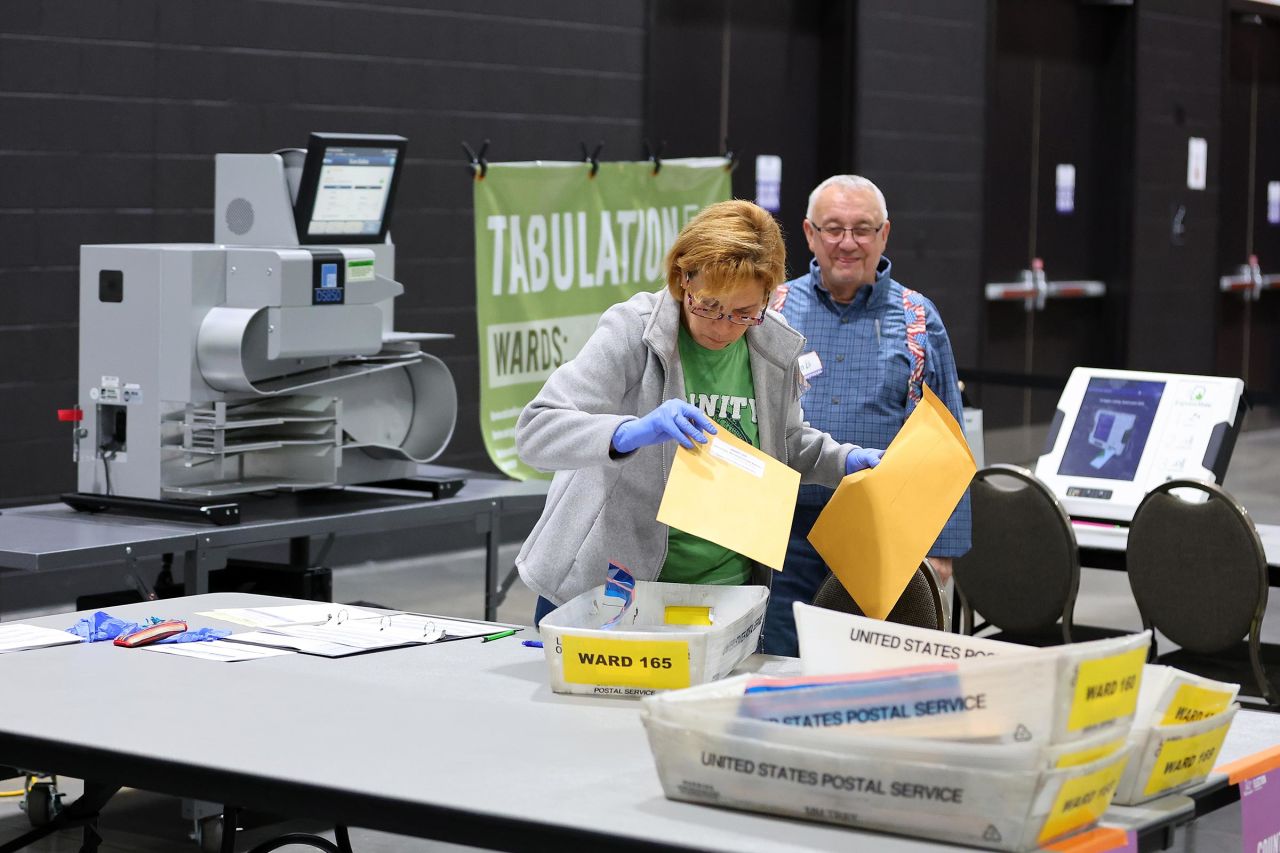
(103, 626)
(673, 419)
(195, 635)
(862, 457)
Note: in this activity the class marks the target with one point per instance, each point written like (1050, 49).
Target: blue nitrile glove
(673, 419)
(101, 627)
(196, 635)
(862, 457)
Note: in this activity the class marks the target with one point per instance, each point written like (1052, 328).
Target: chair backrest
(920, 604)
(1198, 570)
(1023, 571)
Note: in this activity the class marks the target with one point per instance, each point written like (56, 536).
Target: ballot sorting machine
(266, 360)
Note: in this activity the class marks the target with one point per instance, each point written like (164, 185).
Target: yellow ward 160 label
(659, 664)
(1183, 759)
(1106, 688)
(1193, 702)
(1081, 801)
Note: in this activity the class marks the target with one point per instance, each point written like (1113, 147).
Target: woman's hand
(861, 457)
(673, 419)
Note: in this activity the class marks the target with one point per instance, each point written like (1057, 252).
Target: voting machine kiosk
(1117, 434)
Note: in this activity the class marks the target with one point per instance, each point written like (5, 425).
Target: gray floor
(449, 584)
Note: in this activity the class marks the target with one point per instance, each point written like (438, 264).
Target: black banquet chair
(920, 604)
(1199, 575)
(1023, 572)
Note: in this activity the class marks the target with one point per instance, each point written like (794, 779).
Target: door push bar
(1249, 280)
(1034, 288)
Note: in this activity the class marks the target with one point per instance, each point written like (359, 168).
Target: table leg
(197, 564)
(490, 524)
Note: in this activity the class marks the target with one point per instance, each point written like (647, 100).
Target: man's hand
(861, 457)
(673, 419)
(942, 568)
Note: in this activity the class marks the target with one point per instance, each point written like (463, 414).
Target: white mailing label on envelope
(736, 457)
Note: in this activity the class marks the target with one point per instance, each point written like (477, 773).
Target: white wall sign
(1197, 162)
(1273, 202)
(1065, 181)
(769, 182)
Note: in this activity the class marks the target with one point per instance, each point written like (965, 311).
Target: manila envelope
(732, 494)
(881, 522)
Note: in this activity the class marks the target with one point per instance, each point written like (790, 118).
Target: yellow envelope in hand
(881, 522)
(734, 495)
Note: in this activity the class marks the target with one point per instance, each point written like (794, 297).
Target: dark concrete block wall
(921, 111)
(111, 112)
(1180, 48)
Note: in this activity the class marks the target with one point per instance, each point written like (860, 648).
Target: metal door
(1058, 208)
(1249, 239)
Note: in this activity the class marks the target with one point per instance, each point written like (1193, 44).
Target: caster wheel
(43, 803)
(210, 834)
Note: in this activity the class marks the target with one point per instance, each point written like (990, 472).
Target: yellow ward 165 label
(659, 664)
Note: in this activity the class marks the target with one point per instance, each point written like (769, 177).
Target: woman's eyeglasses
(711, 311)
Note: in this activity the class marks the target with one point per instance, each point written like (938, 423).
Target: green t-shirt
(718, 382)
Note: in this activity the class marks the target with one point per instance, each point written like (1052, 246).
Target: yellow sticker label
(1093, 753)
(1193, 702)
(684, 615)
(1184, 759)
(659, 664)
(1106, 688)
(1081, 801)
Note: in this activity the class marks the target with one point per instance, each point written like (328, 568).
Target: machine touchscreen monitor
(1111, 429)
(348, 188)
(1117, 434)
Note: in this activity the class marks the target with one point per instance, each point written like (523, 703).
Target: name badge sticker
(810, 365)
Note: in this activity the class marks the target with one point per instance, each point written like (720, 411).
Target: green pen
(499, 635)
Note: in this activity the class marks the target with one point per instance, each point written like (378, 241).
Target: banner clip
(476, 163)
(594, 157)
(654, 156)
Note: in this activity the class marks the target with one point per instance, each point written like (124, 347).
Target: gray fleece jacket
(601, 508)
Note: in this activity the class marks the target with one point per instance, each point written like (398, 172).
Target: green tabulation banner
(555, 247)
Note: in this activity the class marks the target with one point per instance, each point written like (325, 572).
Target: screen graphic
(1111, 429)
(351, 196)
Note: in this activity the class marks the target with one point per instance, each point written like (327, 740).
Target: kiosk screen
(1111, 428)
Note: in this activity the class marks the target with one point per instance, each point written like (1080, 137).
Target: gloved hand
(862, 457)
(673, 419)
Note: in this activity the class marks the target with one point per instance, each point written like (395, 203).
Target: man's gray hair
(848, 182)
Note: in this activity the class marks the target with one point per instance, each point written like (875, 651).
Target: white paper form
(289, 614)
(426, 628)
(218, 650)
(19, 638)
(307, 646)
(362, 635)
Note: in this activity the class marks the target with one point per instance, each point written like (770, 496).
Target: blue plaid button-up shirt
(861, 395)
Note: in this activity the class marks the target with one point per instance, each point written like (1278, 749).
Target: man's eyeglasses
(711, 311)
(835, 233)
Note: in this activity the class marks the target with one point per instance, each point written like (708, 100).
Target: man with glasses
(871, 344)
